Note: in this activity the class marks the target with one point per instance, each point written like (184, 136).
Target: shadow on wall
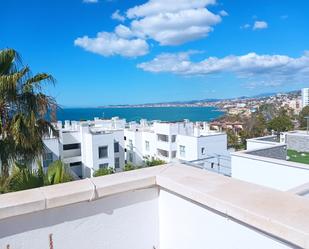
(57, 216)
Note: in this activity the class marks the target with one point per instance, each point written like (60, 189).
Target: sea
(136, 114)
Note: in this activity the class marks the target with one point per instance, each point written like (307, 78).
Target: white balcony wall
(71, 153)
(73, 137)
(139, 219)
(186, 225)
(126, 220)
(269, 172)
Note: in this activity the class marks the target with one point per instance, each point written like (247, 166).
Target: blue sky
(126, 52)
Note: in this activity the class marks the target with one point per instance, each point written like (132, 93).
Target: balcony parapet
(282, 215)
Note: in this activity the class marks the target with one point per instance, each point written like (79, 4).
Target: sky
(104, 52)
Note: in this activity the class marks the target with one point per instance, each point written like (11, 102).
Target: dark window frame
(71, 146)
(100, 153)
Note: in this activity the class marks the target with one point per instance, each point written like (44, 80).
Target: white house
(170, 141)
(87, 146)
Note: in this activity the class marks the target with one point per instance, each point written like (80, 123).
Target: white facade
(88, 146)
(305, 97)
(169, 141)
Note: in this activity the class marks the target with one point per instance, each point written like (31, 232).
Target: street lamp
(307, 118)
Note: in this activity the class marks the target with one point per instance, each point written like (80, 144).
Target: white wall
(215, 144)
(185, 225)
(269, 172)
(258, 144)
(53, 146)
(139, 219)
(72, 137)
(127, 220)
(100, 140)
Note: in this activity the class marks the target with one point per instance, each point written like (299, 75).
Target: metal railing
(220, 164)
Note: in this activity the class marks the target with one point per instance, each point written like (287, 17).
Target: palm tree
(23, 177)
(57, 172)
(25, 111)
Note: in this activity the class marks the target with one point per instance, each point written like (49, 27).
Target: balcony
(170, 206)
(71, 153)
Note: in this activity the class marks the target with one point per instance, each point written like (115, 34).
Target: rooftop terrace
(170, 206)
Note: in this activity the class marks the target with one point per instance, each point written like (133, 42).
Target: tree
(259, 128)
(24, 111)
(256, 126)
(281, 123)
(58, 172)
(232, 138)
(301, 118)
(23, 177)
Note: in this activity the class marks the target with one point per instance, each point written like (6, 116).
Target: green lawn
(299, 157)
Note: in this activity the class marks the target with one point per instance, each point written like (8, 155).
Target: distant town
(234, 106)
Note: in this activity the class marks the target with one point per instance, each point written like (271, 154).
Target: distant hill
(210, 100)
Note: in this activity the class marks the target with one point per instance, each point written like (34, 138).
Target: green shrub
(129, 166)
(152, 161)
(103, 172)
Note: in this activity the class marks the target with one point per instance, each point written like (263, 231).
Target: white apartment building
(170, 141)
(87, 146)
(305, 97)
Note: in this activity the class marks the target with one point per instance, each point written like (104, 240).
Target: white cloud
(117, 16)
(108, 44)
(277, 69)
(223, 13)
(90, 1)
(260, 25)
(154, 7)
(177, 27)
(169, 22)
(123, 31)
(245, 26)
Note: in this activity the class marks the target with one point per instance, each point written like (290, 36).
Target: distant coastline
(137, 113)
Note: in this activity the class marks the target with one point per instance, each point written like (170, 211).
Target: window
(203, 151)
(117, 163)
(130, 144)
(103, 165)
(103, 152)
(182, 151)
(116, 147)
(147, 145)
(130, 157)
(71, 146)
(75, 164)
(47, 159)
(174, 154)
(162, 138)
(162, 153)
(173, 138)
